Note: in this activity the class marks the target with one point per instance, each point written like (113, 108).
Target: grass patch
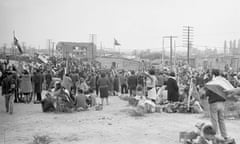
(134, 112)
(41, 139)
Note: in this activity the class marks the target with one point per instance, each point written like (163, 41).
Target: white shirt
(151, 83)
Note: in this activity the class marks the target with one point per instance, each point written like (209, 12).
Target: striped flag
(17, 45)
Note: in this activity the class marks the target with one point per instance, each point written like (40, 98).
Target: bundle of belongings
(205, 134)
(221, 87)
(60, 100)
(189, 102)
(182, 107)
(142, 104)
(147, 105)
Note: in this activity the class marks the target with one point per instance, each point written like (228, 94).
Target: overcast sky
(136, 24)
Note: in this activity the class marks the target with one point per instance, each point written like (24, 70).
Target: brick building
(80, 50)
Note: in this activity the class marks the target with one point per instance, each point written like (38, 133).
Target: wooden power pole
(171, 48)
(188, 40)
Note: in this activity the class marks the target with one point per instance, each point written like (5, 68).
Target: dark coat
(38, 81)
(132, 81)
(7, 85)
(116, 84)
(48, 78)
(172, 87)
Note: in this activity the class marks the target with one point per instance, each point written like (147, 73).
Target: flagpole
(14, 53)
(114, 44)
(16, 59)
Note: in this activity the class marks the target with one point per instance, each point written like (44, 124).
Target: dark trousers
(48, 85)
(97, 90)
(16, 96)
(39, 97)
(132, 90)
(124, 89)
(9, 102)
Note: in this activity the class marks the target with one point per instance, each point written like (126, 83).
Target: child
(207, 136)
(92, 97)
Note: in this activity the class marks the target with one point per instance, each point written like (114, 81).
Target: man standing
(216, 105)
(48, 78)
(123, 83)
(132, 83)
(38, 81)
(8, 88)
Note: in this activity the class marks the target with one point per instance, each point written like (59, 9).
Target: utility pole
(175, 55)
(101, 51)
(53, 44)
(163, 52)
(4, 49)
(188, 40)
(93, 41)
(171, 49)
(49, 47)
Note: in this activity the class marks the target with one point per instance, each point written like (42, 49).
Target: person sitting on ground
(48, 104)
(64, 102)
(81, 100)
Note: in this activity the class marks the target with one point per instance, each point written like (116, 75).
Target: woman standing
(151, 85)
(103, 84)
(172, 87)
(26, 86)
(115, 85)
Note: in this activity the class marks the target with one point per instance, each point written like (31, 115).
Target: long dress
(172, 87)
(38, 80)
(116, 84)
(26, 84)
(103, 87)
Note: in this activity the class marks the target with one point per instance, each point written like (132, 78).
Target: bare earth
(111, 125)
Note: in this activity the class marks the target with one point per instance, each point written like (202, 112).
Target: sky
(136, 24)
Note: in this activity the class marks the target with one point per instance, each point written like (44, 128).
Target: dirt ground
(111, 125)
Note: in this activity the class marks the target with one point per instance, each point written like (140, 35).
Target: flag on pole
(116, 43)
(17, 45)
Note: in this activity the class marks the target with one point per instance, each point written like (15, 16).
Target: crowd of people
(73, 86)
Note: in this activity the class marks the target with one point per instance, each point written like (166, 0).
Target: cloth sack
(152, 94)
